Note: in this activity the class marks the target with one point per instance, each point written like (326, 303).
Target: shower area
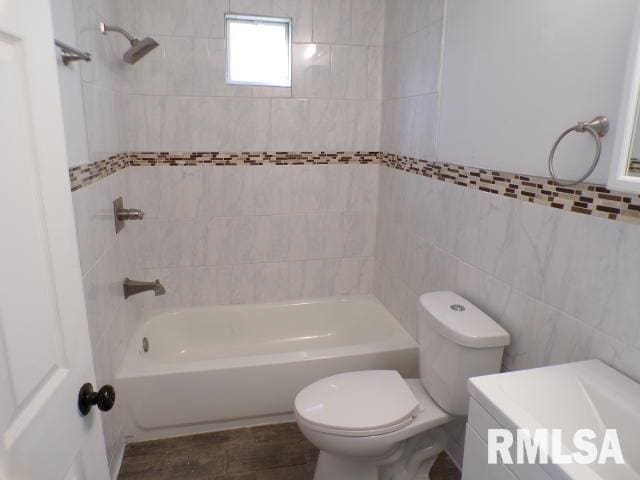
(247, 212)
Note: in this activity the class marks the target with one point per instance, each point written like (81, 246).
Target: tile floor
(270, 452)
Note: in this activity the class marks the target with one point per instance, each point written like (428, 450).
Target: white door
(45, 355)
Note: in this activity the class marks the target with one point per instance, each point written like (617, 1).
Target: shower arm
(112, 28)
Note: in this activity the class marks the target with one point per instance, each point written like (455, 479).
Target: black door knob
(104, 398)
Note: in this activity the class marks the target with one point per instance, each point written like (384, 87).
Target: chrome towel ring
(598, 127)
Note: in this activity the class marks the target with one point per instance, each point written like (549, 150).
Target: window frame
(257, 19)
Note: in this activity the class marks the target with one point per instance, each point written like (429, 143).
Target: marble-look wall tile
(328, 124)
(253, 7)
(272, 238)
(233, 190)
(309, 188)
(349, 276)
(180, 191)
(307, 279)
(374, 74)
(189, 67)
(229, 124)
(349, 71)
(558, 282)
(411, 77)
(311, 70)
(201, 18)
(272, 190)
(367, 22)
(271, 282)
(306, 238)
(187, 64)
(289, 125)
(332, 21)
(133, 123)
(168, 122)
(363, 124)
(235, 284)
(309, 223)
(300, 11)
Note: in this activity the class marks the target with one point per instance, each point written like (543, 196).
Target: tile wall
(244, 234)
(101, 80)
(564, 285)
(177, 98)
(411, 77)
(106, 259)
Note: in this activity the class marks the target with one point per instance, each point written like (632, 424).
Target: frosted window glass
(258, 50)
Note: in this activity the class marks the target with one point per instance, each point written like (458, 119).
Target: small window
(258, 50)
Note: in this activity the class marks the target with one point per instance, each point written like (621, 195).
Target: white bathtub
(216, 367)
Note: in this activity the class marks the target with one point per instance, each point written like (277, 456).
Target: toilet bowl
(373, 424)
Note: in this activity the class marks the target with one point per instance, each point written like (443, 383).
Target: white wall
(517, 73)
(177, 98)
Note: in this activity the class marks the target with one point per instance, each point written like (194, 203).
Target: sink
(570, 397)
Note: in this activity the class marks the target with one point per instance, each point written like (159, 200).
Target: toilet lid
(357, 401)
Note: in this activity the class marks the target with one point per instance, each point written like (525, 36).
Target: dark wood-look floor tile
(297, 472)
(224, 439)
(281, 432)
(270, 452)
(445, 469)
(240, 476)
(196, 464)
(143, 466)
(254, 458)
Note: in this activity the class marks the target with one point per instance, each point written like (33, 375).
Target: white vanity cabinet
(566, 398)
(476, 466)
(475, 460)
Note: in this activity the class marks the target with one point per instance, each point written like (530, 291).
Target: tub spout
(133, 287)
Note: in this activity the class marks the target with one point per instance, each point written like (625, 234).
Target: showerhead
(139, 48)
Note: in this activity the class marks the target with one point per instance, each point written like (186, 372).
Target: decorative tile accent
(634, 167)
(252, 158)
(588, 199)
(85, 175)
(585, 198)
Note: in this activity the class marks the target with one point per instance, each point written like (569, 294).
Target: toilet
(373, 424)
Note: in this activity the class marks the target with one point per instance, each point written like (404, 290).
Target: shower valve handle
(104, 398)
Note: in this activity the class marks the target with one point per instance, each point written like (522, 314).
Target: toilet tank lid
(460, 321)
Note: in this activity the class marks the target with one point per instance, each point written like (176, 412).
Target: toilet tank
(457, 341)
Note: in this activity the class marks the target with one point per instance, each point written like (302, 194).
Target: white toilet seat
(357, 404)
(355, 433)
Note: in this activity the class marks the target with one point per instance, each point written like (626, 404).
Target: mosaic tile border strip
(253, 158)
(585, 198)
(588, 199)
(84, 175)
